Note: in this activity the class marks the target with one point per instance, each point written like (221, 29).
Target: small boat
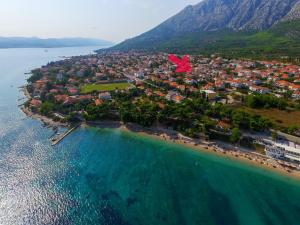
(54, 139)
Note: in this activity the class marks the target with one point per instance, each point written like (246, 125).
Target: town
(252, 103)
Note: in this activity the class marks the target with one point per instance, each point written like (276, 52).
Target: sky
(113, 20)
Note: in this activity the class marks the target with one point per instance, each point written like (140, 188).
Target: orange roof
(294, 86)
(285, 76)
(98, 102)
(36, 102)
(283, 82)
(61, 98)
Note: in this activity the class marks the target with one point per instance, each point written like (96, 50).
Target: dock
(58, 139)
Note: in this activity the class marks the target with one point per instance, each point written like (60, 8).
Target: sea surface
(109, 177)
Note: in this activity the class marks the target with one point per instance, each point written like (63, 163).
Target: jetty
(58, 139)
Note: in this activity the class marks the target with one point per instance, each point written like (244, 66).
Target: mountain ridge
(209, 18)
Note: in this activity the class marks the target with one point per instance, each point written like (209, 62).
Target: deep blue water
(109, 177)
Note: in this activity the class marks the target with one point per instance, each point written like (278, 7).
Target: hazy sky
(113, 20)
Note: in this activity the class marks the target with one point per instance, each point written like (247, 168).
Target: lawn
(104, 87)
(281, 118)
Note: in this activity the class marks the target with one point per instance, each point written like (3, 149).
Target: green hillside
(278, 42)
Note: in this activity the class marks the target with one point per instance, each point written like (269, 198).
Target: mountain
(250, 28)
(22, 42)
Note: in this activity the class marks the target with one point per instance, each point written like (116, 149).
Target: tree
(235, 135)
(36, 75)
(47, 108)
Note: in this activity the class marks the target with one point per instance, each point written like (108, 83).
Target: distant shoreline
(34, 42)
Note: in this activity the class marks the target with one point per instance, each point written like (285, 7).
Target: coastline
(175, 137)
(250, 158)
(45, 120)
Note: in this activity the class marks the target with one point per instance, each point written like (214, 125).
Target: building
(259, 89)
(105, 96)
(296, 95)
(174, 96)
(35, 103)
(211, 95)
(59, 77)
(139, 75)
(282, 150)
(292, 151)
(275, 152)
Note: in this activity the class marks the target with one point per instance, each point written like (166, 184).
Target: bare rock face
(214, 15)
(235, 14)
(294, 13)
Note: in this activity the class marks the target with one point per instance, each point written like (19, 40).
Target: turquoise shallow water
(105, 176)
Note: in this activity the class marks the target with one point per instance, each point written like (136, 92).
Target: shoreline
(175, 137)
(44, 119)
(251, 158)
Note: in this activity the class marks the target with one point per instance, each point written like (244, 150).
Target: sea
(112, 177)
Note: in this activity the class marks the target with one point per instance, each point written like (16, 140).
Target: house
(296, 95)
(297, 81)
(84, 97)
(80, 73)
(61, 98)
(170, 95)
(160, 94)
(174, 96)
(223, 125)
(59, 76)
(53, 91)
(210, 94)
(105, 96)
(73, 90)
(139, 75)
(219, 84)
(294, 87)
(178, 99)
(236, 83)
(36, 103)
(209, 86)
(283, 83)
(98, 102)
(259, 89)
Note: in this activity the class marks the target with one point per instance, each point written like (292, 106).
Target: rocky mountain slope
(200, 26)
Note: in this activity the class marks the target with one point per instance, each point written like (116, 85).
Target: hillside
(248, 28)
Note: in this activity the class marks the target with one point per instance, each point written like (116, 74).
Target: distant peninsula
(34, 42)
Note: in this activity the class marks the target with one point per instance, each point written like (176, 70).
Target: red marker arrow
(183, 65)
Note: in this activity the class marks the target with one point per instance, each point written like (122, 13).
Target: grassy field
(281, 118)
(104, 87)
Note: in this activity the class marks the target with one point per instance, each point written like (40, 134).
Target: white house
(105, 96)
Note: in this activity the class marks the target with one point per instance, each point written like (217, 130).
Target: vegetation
(35, 76)
(104, 87)
(235, 135)
(279, 42)
(258, 101)
(191, 117)
(282, 119)
(47, 108)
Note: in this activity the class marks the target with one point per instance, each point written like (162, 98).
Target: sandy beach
(172, 136)
(233, 153)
